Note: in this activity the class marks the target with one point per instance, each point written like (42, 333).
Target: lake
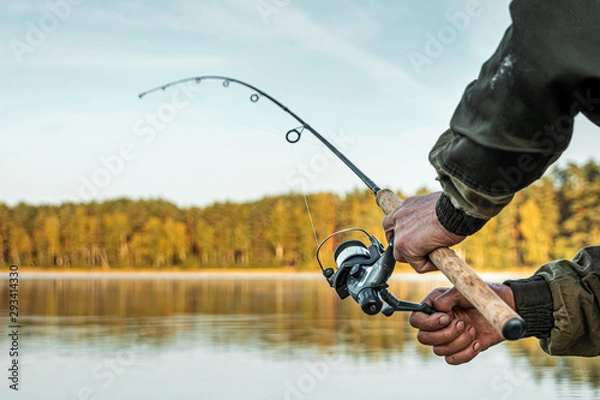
(263, 337)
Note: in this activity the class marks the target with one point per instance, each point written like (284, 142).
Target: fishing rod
(292, 136)
(362, 272)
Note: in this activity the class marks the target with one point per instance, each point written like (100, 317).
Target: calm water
(251, 338)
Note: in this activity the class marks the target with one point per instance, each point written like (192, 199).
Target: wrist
(533, 302)
(455, 220)
(505, 293)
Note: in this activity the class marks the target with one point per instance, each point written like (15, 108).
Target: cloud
(301, 29)
(317, 38)
(27, 7)
(243, 21)
(58, 125)
(119, 18)
(232, 18)
(60, 56)
(487, 31)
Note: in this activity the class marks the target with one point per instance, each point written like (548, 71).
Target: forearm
(561, 304)
(512, 123)
(516, 119)
(479, 181)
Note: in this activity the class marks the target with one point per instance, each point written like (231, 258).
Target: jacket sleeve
(517, 118)
(561, 304)
(511, 124)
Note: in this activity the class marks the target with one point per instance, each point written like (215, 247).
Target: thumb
(449, 299)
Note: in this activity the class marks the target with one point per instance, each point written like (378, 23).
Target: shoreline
(241, 274)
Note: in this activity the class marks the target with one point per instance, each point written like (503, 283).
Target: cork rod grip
(503, 318)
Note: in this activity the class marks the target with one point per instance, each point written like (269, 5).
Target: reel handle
(503, 318)
(369, 301)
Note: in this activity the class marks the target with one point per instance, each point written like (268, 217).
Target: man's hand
(458, 332)
(417, 231)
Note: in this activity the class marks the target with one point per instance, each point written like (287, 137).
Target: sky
(74, 129)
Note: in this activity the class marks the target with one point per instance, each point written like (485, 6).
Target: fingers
(466, 335)
(450, 339)
(433, 322)
(449, 335)
(417, 231)
(397, 254)
(422, 265)
(419, 264)
(434, 294)
(449, 299)
(456, 342)
(462, 338)
(429, 323)
(388, 226)
(465, 355)
(426, 322)
(462, 350)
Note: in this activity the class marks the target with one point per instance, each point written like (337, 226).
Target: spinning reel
(362, 272)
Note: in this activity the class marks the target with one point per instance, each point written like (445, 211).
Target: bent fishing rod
(363, 273)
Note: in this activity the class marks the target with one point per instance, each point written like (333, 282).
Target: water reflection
(266, 313)
(279, 317)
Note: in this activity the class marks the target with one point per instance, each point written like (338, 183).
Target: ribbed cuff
(456, 220)
(533, 301)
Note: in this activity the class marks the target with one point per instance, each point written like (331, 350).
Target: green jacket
(512, 123)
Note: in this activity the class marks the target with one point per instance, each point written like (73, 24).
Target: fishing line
(293, 151)
(311, 220)
(312, 225)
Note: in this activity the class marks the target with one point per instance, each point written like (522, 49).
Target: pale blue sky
(72, 72)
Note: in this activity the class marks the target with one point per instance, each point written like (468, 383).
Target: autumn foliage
(551, 219)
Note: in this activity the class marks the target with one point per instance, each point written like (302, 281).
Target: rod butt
(513, 329)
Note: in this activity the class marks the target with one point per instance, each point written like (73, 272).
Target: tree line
(551, 219)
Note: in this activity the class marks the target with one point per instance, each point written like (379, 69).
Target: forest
(551, 219)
